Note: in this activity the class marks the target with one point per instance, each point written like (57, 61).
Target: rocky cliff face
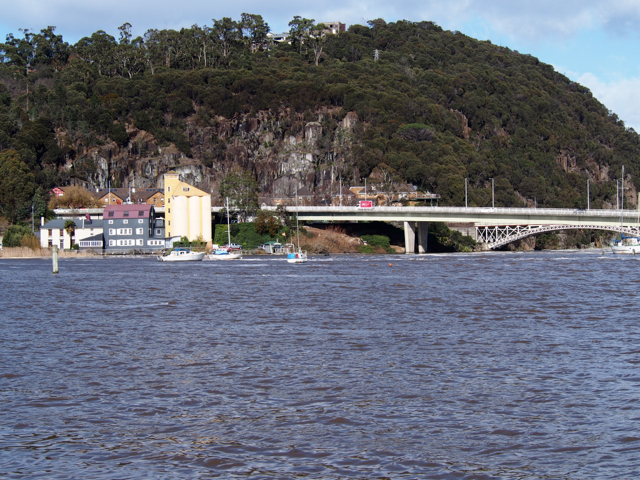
(285, 151)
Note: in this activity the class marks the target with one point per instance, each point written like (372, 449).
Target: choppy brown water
(456, 366)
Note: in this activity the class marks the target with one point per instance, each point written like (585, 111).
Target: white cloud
(620, 96)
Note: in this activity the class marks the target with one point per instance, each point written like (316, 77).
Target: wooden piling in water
(55, 259)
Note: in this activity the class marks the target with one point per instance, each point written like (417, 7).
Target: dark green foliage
(17, 186)
(242, 233)
(442, 239)
(14, 235)
(436, 107)
(373, 241)
(118, 134)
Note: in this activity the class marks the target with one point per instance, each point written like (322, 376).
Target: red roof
(131, 210)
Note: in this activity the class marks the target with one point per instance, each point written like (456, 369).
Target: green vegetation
(17, 235)
(443, 239)
(375, 242)
(243, 234)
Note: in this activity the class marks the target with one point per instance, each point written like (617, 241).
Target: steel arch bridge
(497, 236)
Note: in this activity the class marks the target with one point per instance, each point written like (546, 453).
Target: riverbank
(26, 252)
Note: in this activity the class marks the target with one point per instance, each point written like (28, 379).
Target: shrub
(14, 235)
(377, 240)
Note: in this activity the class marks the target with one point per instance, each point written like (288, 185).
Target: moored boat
(181, 255)
(626, 245)
(230, 251)
(297, 257)
(225, 254)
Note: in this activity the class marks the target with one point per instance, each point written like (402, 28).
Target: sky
(593, 42)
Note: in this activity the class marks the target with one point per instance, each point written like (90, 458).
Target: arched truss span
(495, 237)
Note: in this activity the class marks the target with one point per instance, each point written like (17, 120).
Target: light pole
(535, 202)
(588, 196)
(617, 195)
(466, 190)
(493, 194)
(622, 191)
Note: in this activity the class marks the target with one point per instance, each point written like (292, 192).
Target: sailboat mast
(228, 225)
(297, 228)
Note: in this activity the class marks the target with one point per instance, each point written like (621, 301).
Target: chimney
(42, 221)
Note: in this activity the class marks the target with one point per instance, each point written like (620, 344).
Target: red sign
(366, 204)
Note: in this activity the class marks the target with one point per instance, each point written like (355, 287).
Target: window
(155, 242)
(141, 221)
(169, 222)
(112, 243)
(50, 242)
(141, 213)
(110, 222)
(139, 231)
(62, 232)
(169, 210)
(185, 189)
(112, 231)
(168, 190)
(139, 242)
(106, 200)
(50, 233)
(111, 213)
(125, 222)
(158, 231)
(125, 214)
(169, 200)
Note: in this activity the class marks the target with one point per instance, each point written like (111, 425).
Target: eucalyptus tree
(299, 29)
(254, 31)
(227, 36)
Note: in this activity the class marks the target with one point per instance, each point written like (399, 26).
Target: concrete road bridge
(494, 227)
(491, 227)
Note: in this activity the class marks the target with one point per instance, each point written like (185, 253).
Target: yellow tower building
(187, 209)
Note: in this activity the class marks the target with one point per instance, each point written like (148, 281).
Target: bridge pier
(410, 236)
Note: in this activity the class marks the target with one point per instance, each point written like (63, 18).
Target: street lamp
(535, 202)
(466, 181)
(493, 195)
(588, 196)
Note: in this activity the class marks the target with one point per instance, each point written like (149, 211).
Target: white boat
(181, 255)
(626, 245)
(298, 256)
(226, 253)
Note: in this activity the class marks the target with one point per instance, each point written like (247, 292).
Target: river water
(493, 365)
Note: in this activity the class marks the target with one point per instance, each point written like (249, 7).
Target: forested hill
(389, 102)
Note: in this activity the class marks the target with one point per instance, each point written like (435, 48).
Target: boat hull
(182, 257)
(626, 249)
(298, 257)
(225, 256)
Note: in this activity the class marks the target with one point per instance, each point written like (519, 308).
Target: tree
(299, 31)
(316, 38)
(70, 228)
(14, 235)
(17, 186)
(226, 32)
(255, 31)
(242, 191)
(267, 223)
